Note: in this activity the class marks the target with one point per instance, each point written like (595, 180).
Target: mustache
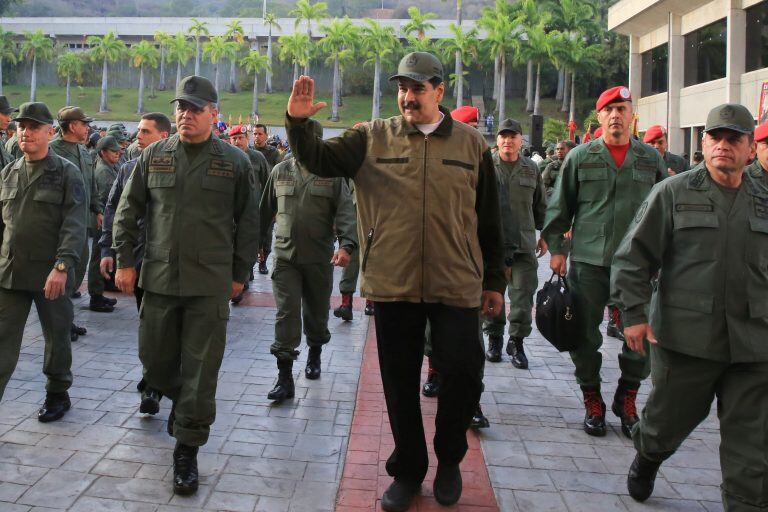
(411, 105)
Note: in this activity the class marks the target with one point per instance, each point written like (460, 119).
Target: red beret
(613, 95)
(599, 132)
(238, 129)
(654, 132)
(466, 114)
(761, 132)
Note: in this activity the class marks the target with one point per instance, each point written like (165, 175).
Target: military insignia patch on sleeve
(78, 193)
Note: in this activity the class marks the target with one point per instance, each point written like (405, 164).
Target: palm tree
(338, 43)
(106, 49)
(463, 44)
(578, 55)
(69, 65)
(500, 43)
(539, 49)
(217, 48)
(197, 30)
(457, 56)
(235, 32)
(419, 23)
(255, 63)
(528, 14)
(7, 52)
(162, 38)
(36, 46)
(304, 11)
(179, 51)
(414, 44)
(297, 47)
(143, 54)
(379, 44)
(270, 21)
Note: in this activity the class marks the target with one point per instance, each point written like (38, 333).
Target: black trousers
(456, 354)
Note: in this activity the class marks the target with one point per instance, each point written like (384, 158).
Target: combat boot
(594, 417)
(515, 349)
(185, 476)
(479, 420)
(150, 401)
(312, 371)
(263, 267)
(54, 408)
(345, 310)
(432, 386)
(493, 354)
(368, 307)
(624, 405)
(641, 477)
(614, 329)
(284, 387)
(100, 305)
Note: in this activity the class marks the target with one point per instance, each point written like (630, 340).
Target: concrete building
(687, 56)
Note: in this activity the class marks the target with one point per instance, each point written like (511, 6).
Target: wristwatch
(61, 266)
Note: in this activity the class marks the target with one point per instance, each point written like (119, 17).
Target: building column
(735, 64)
(635, 66)
(676, 51)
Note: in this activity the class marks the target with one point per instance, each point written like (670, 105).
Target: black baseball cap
(196, 90)
(108, 142)
(5, 106)
(419, 66)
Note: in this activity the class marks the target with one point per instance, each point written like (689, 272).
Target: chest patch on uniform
(323, 182)
(161, 164)
(221, 168)
(527, 172)
(592, 165)
(694, 208)
(51, 179)
(78, 193)
(761, 210)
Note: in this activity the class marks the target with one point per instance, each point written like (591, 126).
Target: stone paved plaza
(104, 456)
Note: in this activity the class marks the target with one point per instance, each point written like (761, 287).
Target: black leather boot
(150, 401)
(284, 387)
(447, 485)
(432, 385)
(345, 310)
(641, 477)
(368, 308)
(614, 329)
(399, 495)
(594, 417)
(493, 354)
(185, 477)
(312, 371)
(479, 420)
(515, 349)
(54, 408)
(624, 405)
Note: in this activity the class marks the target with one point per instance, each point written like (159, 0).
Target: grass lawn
(122, 104)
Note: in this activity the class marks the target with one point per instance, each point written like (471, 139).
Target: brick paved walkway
(105, 457)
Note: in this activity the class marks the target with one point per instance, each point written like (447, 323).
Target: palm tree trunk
(457, 65)
(529, 87)
(1, 75)
(538, 87)
(161, 87)
(566, 92)
(264, 9)
(178, 74)
(216, 76)
(68, 99)
(33, 81)
(104, 76)
(255, 102)
(335, 100)
(376, 110)
(295, 71)
(459, 81)
(232, 75)
(268, 77)
(341, 86)
(197, 56)
(560, 84)
(496, 65)
(572, 113)
(140, 109)
(502, 86)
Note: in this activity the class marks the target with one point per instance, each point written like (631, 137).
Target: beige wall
(652, 110)
(697, 100)
(750, 88)
(653, 39)
(704, 15)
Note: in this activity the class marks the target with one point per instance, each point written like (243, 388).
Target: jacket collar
(636, 150)
(444, 129)
(217, 146)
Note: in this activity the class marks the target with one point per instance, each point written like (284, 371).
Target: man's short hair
(64, 126)
(161, 120)
(569, 144)
(262, 126)
(435, 81)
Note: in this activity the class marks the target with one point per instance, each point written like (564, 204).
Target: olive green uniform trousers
(521, 286)
(95, 279)
(590, 289)
(303, 295)
(683, 389)
(349, 275)
(181, 345)
(55, 319)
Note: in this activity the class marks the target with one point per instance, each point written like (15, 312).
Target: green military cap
(730, 116)
(196, 90)
(419, 66)
(117, 134)
(510, 125)
(109, 143)
(73, 114)
(35, 111)
(116, 126)
(6, 107)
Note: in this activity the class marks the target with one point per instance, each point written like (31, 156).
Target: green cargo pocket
(161, 180)
(8, 193)
(588, 241)
(153, 252)
(593, 184)
(219, 184)
(49, 196)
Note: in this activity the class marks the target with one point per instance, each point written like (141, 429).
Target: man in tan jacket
(430, 235)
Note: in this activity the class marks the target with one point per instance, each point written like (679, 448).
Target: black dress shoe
(641, 477)
(493, 354)
(479, 420)
(56, 404)
(432, 386)
(368, 308)
(99, 305)
(238, 298)
(447, 486)
(515, 349)
(263, 268)
(399, 495)
(312, 371)
(109, 300)
(185, 477)
(594, 417)
(73, 334)
(150, 401)
(81, 331)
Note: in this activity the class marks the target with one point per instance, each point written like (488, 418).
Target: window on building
(757, 36)
(655, 70)
(705, 54)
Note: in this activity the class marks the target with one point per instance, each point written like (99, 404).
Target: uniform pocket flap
(8, 193)
(692, 301)
(759, 225)
(527, 182)
(592, 174)
(758, 308)
(219, 184)
(49, 196)
(321, 190)
(645, 176)
(161, 180)
(284, 190)
(691, 219)
(589, 228)
(153, 252)
(215, 256)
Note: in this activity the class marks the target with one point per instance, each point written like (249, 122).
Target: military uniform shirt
(675, 162)
(78, 155)
(522, 203)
